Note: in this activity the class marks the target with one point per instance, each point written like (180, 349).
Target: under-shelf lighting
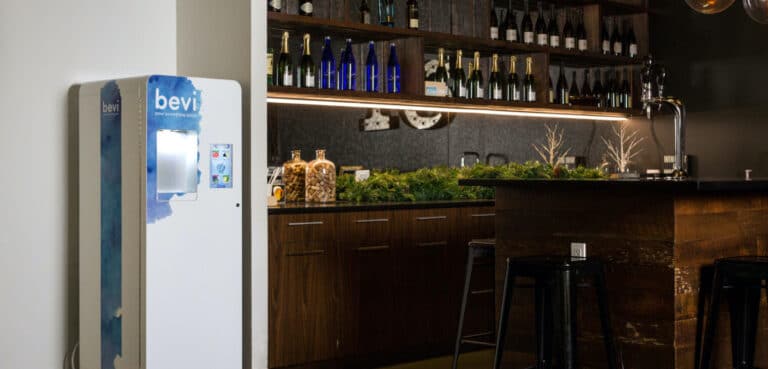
(506, 111)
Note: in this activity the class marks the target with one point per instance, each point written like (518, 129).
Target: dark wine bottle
(387, 12)
(513, 81)
(529, 83)
(561, 94)
(348, 73)
(573, 94)
(270, 66)
(597, 90)
(475, 82)
(568, 33)
(541, 28)
(306, 66)
(305, 8)
(611, 95)
(527, 26)
(616, 38)
(441, 74)
(494, 31)
(413, 14)
(340, 68)
(275, 5)
(365, 12)
(495, 91)
(586, 91)
(581, 34)
(371, 69)
(605, 40)
(512, 34)
(459, 78)
(553, 29)
(551, 92)
(393, 71)
(284, 72)
(626, 91)
(631, 42)
(327, 67)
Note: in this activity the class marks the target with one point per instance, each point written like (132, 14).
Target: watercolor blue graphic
(172, 103)
(111, 226)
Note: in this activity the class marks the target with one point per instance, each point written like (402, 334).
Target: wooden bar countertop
(658, 238)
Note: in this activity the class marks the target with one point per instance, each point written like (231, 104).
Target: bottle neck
(441, 58)
(529, 66)
(458, 60)
(495, 64)
(306, 45)
(512, 65)
(477, 61)
(284, 48)
(320, 154)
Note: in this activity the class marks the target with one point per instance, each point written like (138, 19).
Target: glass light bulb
(757, 10)
(709, 6)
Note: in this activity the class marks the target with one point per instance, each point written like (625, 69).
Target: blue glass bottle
(349, 70)
(371, 69)
(339, 69)
(393, 71)
(327, 67)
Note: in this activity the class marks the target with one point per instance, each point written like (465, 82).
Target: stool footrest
(479, 343)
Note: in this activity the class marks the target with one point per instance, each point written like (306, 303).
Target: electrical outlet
(578, 249)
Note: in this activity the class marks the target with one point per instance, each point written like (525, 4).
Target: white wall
(46, 46)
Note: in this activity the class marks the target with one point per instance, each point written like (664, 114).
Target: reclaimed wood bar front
(658, 239)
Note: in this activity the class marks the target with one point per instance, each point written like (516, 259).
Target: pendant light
(757, 10)
(713, 6)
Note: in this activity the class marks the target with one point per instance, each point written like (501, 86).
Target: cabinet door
(366, 277)
(424, 307)
(303, 314)
(479, 323)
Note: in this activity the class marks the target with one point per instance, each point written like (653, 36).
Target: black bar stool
(558, 274)
(477, 249)
(743, 276)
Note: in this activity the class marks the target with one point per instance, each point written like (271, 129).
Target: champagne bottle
(554, 29)
(631, 42)
(475, 82)
(413, 14)
(348, 73)
(393, 71)
(550, 92)
(605, 40)
(541, 28)
(305, 7)
(597, 90)
(610, 92)
(270, 66)
(513, 82)
(494, 24)
(284, 66)
(529, 83)
(441, 74)
(306, 66)
(371, 69)
(495, 91)
(387, 12)
(459, 78)
(586, 91)
(327, 67)
(574, 95)
(527, 26)
(275, 5)
(616, 38)
(365, 12)
(568, 33)
(511, 33)
(581, 34)
(562, 96)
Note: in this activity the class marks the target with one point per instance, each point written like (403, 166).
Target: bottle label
(288, 78)
(270, 57)
(480, 93)
(413, 23)
(306, 8)
(277, 4)
(554, 41)
(462, 91)
(617, 48)
(541, 39)
(366, 18)
(310, 79)
(528, 37)
(531, 94)
(606, 47)
(511, 35)
(582, 45)
(633, 50)
(551, 97)
(494, 33)
(570, 43)
(516, 95)
(497, 94)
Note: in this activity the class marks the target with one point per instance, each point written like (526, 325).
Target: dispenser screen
(221, 166)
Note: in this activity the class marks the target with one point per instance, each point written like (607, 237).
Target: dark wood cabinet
(371, 285)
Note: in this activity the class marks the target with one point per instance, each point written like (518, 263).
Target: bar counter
(347, 206)
(657, 238)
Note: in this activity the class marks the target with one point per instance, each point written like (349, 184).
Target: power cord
(72, 356)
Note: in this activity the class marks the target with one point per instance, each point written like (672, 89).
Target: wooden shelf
(359, 32)
(331, 97)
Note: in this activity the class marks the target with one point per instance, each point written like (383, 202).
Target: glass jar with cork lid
(320, 179)
(294, 177)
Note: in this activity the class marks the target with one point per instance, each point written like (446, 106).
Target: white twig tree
(624, 149)
(552, 150)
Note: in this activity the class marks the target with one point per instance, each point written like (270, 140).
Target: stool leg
(462, 312)
(710, 324)
(605, 320)
(543, 325)
(744, 303)
(506, 301)
(568, 320)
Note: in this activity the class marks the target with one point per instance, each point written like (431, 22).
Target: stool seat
(485, 242)
(556, 262)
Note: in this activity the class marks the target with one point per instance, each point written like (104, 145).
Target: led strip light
(505, 111)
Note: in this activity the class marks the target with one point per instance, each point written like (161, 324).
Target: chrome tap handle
(646, 82)
(661, 80)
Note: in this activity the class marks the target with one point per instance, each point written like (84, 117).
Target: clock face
(424, 120)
